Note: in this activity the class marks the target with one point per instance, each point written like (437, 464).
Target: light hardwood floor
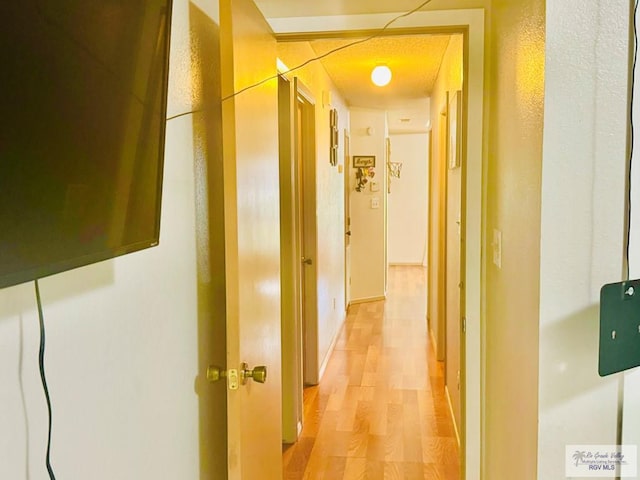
(380, 411)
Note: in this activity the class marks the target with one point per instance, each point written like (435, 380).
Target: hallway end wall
(407, 235)
(368, 233)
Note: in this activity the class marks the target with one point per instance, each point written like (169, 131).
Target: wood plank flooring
(380, 411)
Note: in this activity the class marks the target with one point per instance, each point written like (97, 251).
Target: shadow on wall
(78, 282)
(73, 283)
(210, 252)
(19, 300)
(16, 300)
(570, 358)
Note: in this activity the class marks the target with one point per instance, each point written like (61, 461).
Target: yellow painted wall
(513, 184)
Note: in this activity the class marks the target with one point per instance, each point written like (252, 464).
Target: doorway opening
(298, 237)
(470, 23)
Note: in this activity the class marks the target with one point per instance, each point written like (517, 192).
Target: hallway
(380, 411)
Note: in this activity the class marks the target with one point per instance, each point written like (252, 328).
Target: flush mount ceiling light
(381, 75)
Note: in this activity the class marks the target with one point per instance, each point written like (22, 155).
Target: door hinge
(464, 324)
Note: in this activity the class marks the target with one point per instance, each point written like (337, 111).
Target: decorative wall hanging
(394, 172)
(333, 132)
(394, 169)
(363, 174)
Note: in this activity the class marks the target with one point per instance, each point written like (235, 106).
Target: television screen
(82, 125)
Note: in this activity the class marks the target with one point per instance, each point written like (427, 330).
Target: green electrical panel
(619, 327)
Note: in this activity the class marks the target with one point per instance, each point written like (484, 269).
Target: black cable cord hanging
(314, 59)
(43, 377)
(632, 136)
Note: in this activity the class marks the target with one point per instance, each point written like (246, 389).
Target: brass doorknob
(215, 373)
(258, 374)
(307, 261)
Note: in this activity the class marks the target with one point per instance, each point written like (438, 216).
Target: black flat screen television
(82, 128)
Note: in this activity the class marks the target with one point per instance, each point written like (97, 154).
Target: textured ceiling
(414, 62)
(413, 59)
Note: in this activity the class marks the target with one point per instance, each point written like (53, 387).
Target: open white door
(252, 239)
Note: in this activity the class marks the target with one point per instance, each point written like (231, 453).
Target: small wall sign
(364, 161)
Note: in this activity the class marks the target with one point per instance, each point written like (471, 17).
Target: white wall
(583, 180)
(407, 227)
(122, 341)
(368, 266)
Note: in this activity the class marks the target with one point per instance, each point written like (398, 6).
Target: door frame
(347, 219)
(454, 267)
(469, 22)
(441, 251)
(291, 315)
(297, 229)
(307, 226)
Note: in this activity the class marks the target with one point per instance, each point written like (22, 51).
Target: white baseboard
(327, 357)
(453, 418)
(434, 345)
(367, 299)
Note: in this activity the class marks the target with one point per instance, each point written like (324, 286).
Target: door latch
(215, 373)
